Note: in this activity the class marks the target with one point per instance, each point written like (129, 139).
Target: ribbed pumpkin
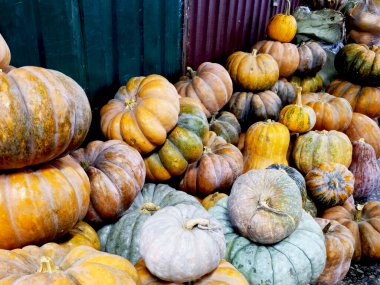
(183, 145)
(296, 117)
(339, 249)
(312, 58)
(365, 169)
(367, 38)
(285, 90)
(116, 172)
(52, 264)
(330, 184)
(265, 143)
(309, 84)
(303, 253)
(359, 63)
(362, 126)
(226, 125)
(45, 114)
(332, 113)
(212, 199)
(253, 71)
(211, 85)
(141, 113)
(316, 147)
(220, 164)
(250, 108)
(81, 234)
(5, 53)
(122, 238)
(363, 99)
(286, 55)
(42, 203)
(363, 223)
(225, 273)
(282, 27)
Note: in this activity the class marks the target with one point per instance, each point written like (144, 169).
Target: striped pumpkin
(227, 126)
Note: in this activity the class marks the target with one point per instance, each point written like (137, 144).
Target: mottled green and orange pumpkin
(312, 57)
(309, 83)
(285, 90)
(226, 125)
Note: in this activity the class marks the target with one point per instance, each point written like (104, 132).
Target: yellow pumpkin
(282, 27)
(211, 200)
(81, 234)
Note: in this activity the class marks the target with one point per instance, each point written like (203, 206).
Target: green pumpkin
(297, 260)
(310, 207)
(122, 238)
(226, 126)
(183, 145)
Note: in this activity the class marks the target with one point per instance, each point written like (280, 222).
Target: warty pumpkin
(141, 113)
(218, 167)
(252, 71)
(211, 85)
(116, 172)
(285, 90)
(312, 58)
(265, 143)
(165, 239)
(226, 125)
(309, 84)
(285, 54)
(282, 27)
(212, 199)
(33, 210)
(182, 146)
(5, 53)
(45, 114)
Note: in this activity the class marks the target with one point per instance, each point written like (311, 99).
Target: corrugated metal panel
(215, 29)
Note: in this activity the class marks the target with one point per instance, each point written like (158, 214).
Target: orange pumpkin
(211, 200)
(81, 234)
(5, 53)
(141, 113)
(282, 27)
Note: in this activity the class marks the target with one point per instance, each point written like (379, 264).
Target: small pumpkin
(141, 113)
(265, 143)
(282, 27)
(116, 172)
(220, 164)
(286, 55)
(330, 184)
(339, 248)
(363, 223)
(252, 71)
(285, 90)
(317, 147)
(296, 117)
(309, 84)
(363, 99)
(5, 53)
(226, 125)
(211, 85)
(332, 113)
(312, 57)
(212, 199)
(169, 257)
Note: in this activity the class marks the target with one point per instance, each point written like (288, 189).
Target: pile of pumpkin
(282, 152)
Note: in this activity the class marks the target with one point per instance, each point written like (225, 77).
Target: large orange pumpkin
(5, 53)
(282, 27)
(142, 112)
(44, 115)
(42, 203)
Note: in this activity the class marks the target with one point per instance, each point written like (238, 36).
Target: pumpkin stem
(207, 149)
(264, 205)
(358, 214)
(299, 95)
(362, 140)
(85, 165)
(335, 182)
(254, 52)
(191, 72)
(203, 224)
(149, 207)
(130, 104)
(213, 118)
(326, 228)
(287, 7)
(46, 265)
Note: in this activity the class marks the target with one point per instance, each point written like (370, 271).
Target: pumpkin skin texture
(37, 135)
(297, 260)
(286, 55)
(5, 53)
(363, 99)
(330, 184)
(252, 71)
(226, 125)
(365, 169)
(339, 248)
(169, 257)
(363, 223)
(225, 273)
(317, 147)
(265, 205)
(250, 108)
(362, 126)
(285, 90)
(312, 58)
(282, 27)
(212, 199)
(359, 63)
(310, 207)
(52, 264)
(220, 164)
(211, 85)
(81, 234)
(122, 238)
(141, 113)
(116, 172)
(332, 113)
(183, 145)
(48, 211)
(309, 84)
(295, 175)
(266, 143)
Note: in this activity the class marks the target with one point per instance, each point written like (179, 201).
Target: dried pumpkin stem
(327, 228)
(207, 149)
(130, 104)
(362, 140)
(213, 118)
(46, 265)
(264, 205)
(254, 52)
(287, 7)
(85, 164)
(358, 214)
(149, 207)
(191, 72)
(203, 224)
(299, 95)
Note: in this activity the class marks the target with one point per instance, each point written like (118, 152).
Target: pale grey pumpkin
(182, 243)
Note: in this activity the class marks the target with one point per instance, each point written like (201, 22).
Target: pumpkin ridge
(291, 263)
(304, 253)
(271, 261)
